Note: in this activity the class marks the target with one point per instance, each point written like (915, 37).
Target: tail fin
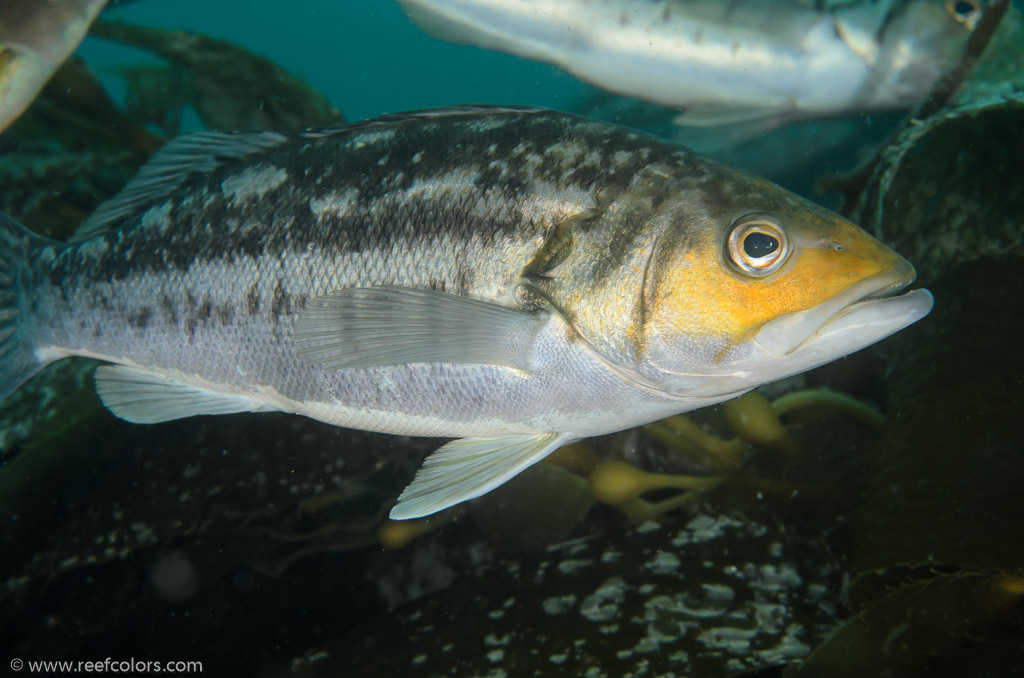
(17, 362)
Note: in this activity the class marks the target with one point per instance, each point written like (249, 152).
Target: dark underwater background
(870, 518)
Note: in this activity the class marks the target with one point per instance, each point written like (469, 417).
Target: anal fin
(145, 397)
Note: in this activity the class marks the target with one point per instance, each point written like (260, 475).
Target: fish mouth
(860, 315)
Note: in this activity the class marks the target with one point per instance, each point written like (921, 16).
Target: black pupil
(963, 9)
(758, 245)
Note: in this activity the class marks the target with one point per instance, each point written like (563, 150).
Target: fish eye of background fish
(966, 12)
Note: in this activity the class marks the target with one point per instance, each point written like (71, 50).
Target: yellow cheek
(699, 298)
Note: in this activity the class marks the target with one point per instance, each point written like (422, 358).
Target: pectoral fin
(714, 115)
(713, 129)
(469, 467)
(144, 397)
(388, 325)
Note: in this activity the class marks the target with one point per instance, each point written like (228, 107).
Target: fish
(514, 278)
(748, 63)
(35, 39)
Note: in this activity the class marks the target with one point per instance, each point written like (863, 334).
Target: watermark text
(107, 665)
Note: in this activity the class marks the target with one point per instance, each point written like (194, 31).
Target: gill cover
(593, 266)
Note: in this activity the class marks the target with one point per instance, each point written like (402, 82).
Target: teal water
(367, 58)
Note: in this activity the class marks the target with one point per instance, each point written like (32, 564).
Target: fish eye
(966, 12)
(757, 245)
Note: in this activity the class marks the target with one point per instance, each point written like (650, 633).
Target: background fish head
(748, 283)
(908, 45)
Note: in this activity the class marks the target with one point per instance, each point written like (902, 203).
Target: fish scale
(400, 247)
(753, 63)
(513, 277)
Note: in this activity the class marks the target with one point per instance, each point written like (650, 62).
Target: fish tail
(18, 361)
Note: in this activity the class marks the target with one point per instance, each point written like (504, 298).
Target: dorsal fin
(460, 111)
(202, 152)
(168, 169)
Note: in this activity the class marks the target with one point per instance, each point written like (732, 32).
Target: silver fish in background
(746, 61)
(515, 278)
(36, 36)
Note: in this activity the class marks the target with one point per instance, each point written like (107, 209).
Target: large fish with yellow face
(514, 278)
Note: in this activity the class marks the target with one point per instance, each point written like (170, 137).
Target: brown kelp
(229, 87)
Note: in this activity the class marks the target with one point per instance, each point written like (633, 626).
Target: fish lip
(786, 334)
